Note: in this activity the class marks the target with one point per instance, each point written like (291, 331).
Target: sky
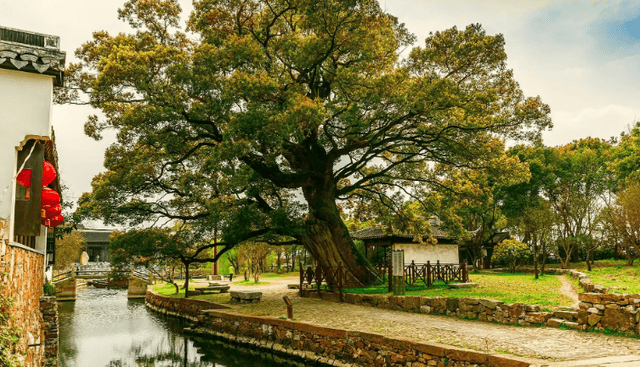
(581, 57)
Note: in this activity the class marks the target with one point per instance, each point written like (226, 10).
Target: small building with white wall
(31, 64)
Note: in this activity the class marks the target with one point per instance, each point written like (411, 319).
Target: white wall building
(30, 66)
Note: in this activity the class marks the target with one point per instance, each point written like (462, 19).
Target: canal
(104, 328)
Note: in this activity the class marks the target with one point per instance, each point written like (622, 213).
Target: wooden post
(301, 279)
(390, 276)
(429, 274)
(289, 307)
(318, 278)
(465, 272)
(340, 281)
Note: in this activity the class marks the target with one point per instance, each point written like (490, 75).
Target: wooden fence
(337, 278)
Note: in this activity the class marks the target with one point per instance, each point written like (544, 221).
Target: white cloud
(598, 122)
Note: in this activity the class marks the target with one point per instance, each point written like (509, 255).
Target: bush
(511, 253)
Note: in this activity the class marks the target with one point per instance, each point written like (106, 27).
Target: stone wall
(618, 312)
(182, 307)
(338, 347)
(49, 309)
(466, 308)
(67, 290)
(22, 278)
(137, 288)
(323, 345)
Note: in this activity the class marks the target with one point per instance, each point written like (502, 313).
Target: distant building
(97, 243)
(446, 250)
(31, 65)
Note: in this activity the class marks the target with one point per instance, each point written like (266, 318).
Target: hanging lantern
(51, 211)
(49, 198)
(48, 173)
(52, 222)
(56, 221)
(24, 178)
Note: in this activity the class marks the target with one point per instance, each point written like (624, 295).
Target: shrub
(511, 253)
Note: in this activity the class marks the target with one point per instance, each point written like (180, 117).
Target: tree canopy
(266, 114)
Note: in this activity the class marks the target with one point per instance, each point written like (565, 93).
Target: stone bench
(246, 296)
(213, 288)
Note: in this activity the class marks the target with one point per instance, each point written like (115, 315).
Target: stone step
(566, 315)
(554, 322)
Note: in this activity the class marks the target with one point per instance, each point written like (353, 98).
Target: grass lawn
(612, 273)
(500, 286)
(167, 289)
(623, 279)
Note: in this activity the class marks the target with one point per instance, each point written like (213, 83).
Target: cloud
(603, 122)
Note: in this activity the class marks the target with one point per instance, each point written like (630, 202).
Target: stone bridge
(67, 283)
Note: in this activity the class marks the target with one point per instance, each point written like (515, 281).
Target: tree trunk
(535, 259)
(327, 237)
(588, 258)
(186, 280)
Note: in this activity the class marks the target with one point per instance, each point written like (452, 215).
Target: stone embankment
(320, 344)
(21, 278)
(49, 309)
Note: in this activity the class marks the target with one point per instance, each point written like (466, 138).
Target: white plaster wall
(447, 254)
(25, 110)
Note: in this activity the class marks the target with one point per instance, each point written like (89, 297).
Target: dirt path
(569, 289)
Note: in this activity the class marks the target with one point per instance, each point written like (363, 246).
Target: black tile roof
(96, 235)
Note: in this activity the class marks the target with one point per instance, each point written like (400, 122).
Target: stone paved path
(546, 346)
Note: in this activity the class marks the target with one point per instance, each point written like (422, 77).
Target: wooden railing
(429, 273)
(337, 278)
(62, 276)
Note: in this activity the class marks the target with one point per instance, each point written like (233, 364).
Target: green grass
(505, 287)
(624, 279)
(167, 289)
(611, 273)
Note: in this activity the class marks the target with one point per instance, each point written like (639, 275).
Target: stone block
(567, 315)
(452, 304)
(490, 303)
(615, 320)
(246, 296)
(593, 319)
(589, 297)
(532, 308)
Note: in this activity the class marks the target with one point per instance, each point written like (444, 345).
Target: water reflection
(103, 328)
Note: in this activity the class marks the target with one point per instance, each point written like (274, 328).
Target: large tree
(298, 97)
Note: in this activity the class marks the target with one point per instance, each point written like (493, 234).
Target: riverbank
(539, 345)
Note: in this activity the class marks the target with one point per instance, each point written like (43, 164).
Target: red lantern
(49, 198)
(48, 173)
(50, 212)
(55, 221)
(24, 178)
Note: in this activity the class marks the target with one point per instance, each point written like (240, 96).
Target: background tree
(295, 96)
(582, 185)
(68, 250)
(623, 220)
(157, 248)
(511, 253)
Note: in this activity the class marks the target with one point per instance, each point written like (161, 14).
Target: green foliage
(511, 253)
(223, 127)
(68, 249)
(9, 335)
(49, 289)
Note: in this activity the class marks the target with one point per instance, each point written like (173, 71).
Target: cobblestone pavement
(549, 344)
